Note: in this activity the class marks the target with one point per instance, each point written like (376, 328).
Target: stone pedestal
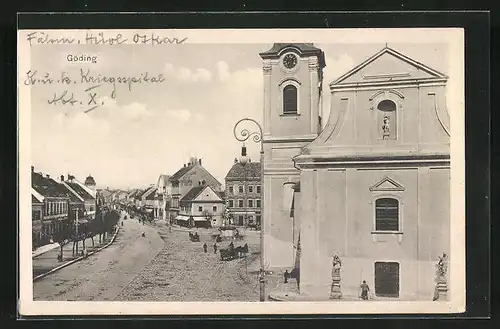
(441, 290)
(336, 291)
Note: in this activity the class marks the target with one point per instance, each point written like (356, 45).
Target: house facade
(372, 187)
(148, 200)
(83, 202)
(203, 205)
(192, 174)
(164, 195)
(243, 190)
(50, 207)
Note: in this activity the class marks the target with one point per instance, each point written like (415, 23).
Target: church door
(387, 279)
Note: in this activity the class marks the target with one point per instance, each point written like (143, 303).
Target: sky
(153, 129)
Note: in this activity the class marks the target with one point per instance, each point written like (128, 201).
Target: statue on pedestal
(441, 291)
(336, 292)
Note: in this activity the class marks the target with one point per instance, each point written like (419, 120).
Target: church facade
(372, 187)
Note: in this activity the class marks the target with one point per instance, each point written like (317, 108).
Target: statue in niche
(386, 131)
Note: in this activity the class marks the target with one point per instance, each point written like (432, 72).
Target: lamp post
(256, 136)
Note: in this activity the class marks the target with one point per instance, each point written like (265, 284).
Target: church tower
(293, 76)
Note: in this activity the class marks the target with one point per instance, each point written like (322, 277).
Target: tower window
(290, 100)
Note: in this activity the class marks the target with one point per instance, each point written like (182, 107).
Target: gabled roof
(151, 193)
(147, 192)
(249, 170)
(193, 193)
(47, 187)
(181, 172)
(81, 192)
(387, 50)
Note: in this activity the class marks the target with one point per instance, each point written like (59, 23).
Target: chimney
(32, 169)
(184, 165)
(235, 160)
(62, 178)
(47, 175)
(199, 161)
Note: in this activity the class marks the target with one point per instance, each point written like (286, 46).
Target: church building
(372, 187)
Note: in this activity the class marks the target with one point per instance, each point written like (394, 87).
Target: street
(162, 266)
(103, 275)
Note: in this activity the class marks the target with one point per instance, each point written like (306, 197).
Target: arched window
(386, 214)
(387, 119)
(290, 99)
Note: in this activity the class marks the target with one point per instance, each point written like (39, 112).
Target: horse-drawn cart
(233, 253)
(194, 237)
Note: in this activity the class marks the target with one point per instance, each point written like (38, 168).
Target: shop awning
(181, 217)
(200, 219)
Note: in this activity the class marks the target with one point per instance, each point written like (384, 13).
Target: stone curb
(76, 259)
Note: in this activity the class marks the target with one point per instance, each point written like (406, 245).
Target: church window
(387, 119)
(386, 214)
(290, 99)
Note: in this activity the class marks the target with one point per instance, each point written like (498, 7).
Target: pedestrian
(215, 248)
(286, 276)
(365, 289)
(205, 247)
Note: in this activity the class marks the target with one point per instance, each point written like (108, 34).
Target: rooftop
(302, 48)
(80, 191)
(239, 171)
(193, 193)
(48, 187)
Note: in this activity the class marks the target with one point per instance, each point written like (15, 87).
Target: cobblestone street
(103, 275)
(183, 272)
(163, 266)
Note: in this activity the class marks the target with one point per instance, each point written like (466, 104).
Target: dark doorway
(240, 220)
(387, 279)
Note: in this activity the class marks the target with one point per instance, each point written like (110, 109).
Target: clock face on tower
(290, 61)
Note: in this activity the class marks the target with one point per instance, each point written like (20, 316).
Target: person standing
(365, 289)
(215, 248)
(286, 276)
(205, 247)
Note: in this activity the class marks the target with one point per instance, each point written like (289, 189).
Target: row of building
(193, 193)
(54, 202)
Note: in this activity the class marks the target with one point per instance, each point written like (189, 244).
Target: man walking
(365, 289)
(215, 248)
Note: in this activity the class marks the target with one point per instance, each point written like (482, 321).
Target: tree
(62, 237)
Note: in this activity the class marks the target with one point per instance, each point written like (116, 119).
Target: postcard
(207, 172)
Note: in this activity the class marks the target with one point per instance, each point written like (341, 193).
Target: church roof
(303, 48)
(386, 50)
